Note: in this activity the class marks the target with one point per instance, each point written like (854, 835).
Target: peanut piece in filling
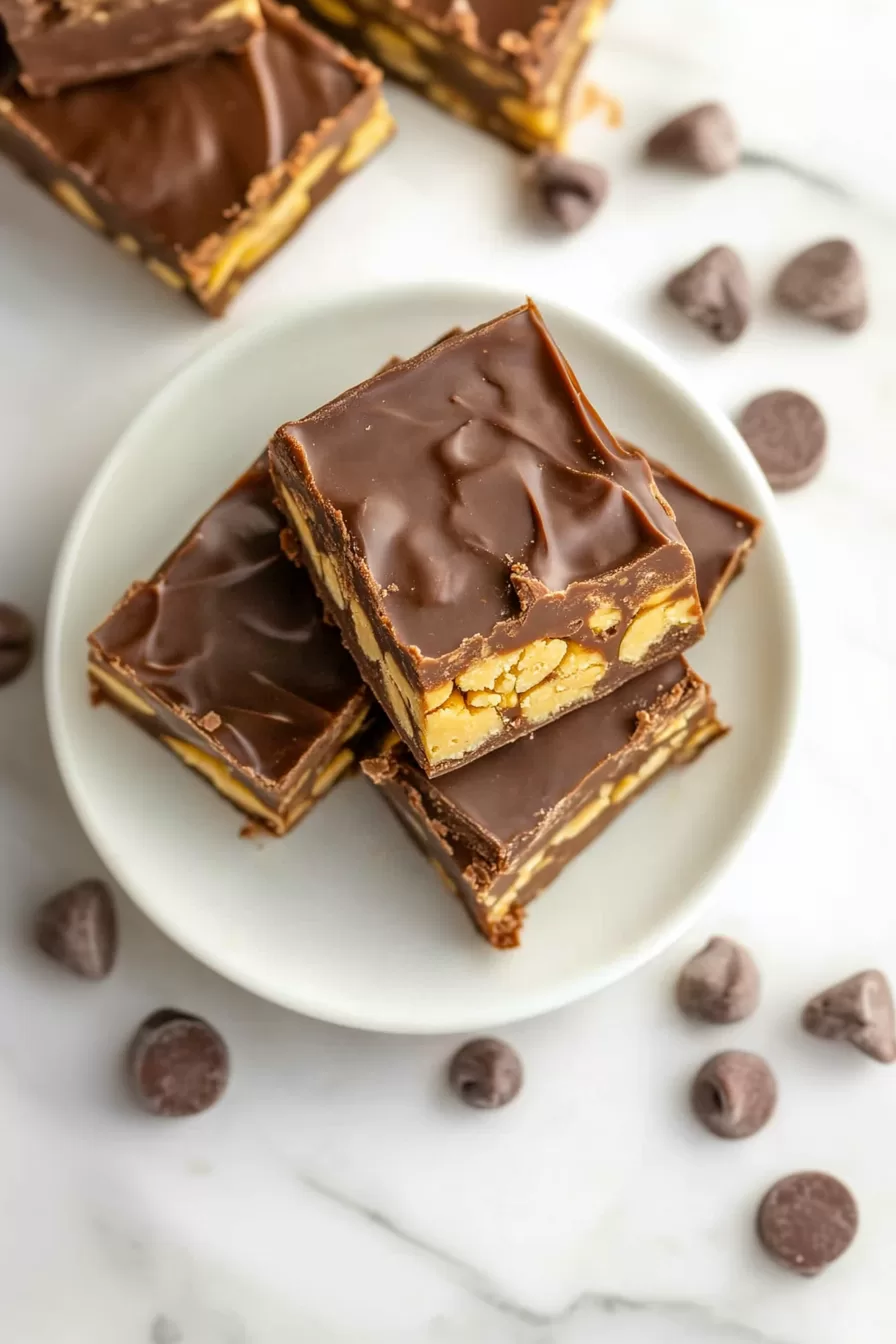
(397, 52)
(67, 194)
(336, 11)
(367, 139)
(452, 101)
(120, 691)
(654, 619)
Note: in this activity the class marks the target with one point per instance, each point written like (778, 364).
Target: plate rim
(656, 364)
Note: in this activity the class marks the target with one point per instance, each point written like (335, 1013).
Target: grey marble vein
(684, 1315)
(755, 158)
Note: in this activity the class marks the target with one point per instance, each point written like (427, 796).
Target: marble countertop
(336, 1196)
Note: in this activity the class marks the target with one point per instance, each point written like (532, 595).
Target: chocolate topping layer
(479, 453)
(507, 792)
(189, 139)
(230, 627)
(713, 530)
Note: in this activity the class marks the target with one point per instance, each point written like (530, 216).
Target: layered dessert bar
(62, 42)
(500, 829)
(224, 656)
(508, 66)
(205, 168)
(493, 557)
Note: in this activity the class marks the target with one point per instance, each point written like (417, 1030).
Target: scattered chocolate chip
(787, 435)
(704, 138)
(79, 928)
(734, 1094)
(827, 284)
(858, 1010)
(714, 293)
(720, 984)
(486, 1073)
(16, 642)
(570, 191)
(806, 1221)
(179, 1065)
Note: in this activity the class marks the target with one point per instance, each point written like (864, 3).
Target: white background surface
(337, 1196)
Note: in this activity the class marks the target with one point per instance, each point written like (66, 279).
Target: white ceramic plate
(343, 919)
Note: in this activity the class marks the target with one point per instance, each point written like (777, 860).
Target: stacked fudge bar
(195, 134)
(469, 546)
(507, 66)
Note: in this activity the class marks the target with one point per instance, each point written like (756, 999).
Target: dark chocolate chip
(858, 1010)
(720, 984)
(570, 191)
(79, 928)
(486, 1073)
(787, 435)
(179, 1064)
(806, 1221)
(714, 293)
(16, 642)
(704, 138)
(827, 284)
(734, 1094)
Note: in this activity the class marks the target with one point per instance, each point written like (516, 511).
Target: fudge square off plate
(225, 657)
(204, 168)
(491, 554)
(508, 66)
(502, 828)
(63, 42)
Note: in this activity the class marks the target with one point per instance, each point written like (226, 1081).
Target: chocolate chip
(787, 435)
(79, 928)
(827, 284)
(858, 1010)
(714, 293)
(806, 1221)
(734, 1094)
(486, 1073)
(570, 191)
(720, 984)
(704, 138)
(16, 642)
(179, 1064)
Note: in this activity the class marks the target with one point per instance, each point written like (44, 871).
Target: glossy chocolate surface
(479, 454)
(714, 532)
(230, 627)
(178, 147)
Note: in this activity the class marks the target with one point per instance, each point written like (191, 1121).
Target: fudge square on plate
(204, 168)
(224, 655)
(491, 554)
(508, 66)
(63, 42)
(502, 828)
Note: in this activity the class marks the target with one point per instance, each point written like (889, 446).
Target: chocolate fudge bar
(224, 655)
(491, 554)
(508, 66)
(62, 42)
(205, 168)
(503, 827)
(720, 535)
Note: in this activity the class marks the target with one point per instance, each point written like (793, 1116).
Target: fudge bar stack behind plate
(197, 136)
